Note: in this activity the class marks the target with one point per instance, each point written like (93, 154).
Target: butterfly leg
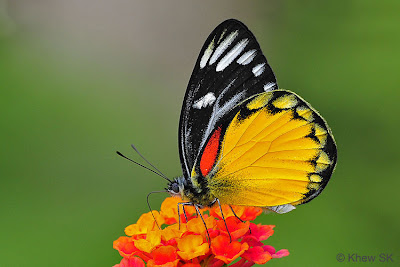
(184, 211)
(237, 216)
(205, 225)
(183, 208)
(223, 218)
(179, 217)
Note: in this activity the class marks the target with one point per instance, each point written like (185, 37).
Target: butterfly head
(176, 188)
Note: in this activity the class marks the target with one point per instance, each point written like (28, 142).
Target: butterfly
(243, 141)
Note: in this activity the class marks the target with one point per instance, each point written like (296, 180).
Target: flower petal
(126, 247)
(243, 263)
(191, 265)
(192, 246)
(226, 210)
(145, 223)
(281, 253)
(151, 263)
(261, 232)
(250, 213)
(257, 255)
(169, 210)
(131, 262)
(164, 256)
(197, 226)
(227, 251)
(252, 241)
(215, 263)
(236, 228)
(244, 213)
(153, 239)
(172, 232)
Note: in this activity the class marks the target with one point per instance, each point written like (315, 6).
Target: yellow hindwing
(277, 150)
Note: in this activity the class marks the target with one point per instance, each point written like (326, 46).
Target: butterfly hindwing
(230, 68)
(276, 150)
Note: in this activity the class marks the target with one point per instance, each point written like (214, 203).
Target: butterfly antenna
(148, 162)
(161, 175)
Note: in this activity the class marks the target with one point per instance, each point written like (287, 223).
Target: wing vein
(264, 167)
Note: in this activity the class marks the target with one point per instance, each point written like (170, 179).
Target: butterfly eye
(174, 188)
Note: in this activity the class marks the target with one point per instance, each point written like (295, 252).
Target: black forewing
(229, 69)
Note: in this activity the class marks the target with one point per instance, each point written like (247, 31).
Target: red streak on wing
(210, 153)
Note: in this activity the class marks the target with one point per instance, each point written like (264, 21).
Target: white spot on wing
(285, 208)
(258, 69)
(223, 46)
(222, 35)
(207, 54)
(269, 86)
(247, 57)
(219, 111)
(231, 55)
(205, 101)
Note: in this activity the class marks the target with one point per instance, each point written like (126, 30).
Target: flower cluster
(187, 244)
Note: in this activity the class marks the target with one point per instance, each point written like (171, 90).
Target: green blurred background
(81, 79)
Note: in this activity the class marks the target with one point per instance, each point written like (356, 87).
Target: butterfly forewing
(229, 69)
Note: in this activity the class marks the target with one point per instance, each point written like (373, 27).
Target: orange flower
(169, 210)
(192, 246)
(126, 248)
(173, 232)
(201, 241)
(145, 224)
(244, 213)
(250, 213)
(153, 239)
(196, 225)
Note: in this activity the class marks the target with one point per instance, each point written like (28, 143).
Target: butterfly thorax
(181, 187)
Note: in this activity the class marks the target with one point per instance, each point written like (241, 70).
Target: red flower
(126, 248)
(281, 253)
(188, 244)
(227, 251)
(237, 229)
(164, 257)
(261, 232)
(257, 255)
(132, 262)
